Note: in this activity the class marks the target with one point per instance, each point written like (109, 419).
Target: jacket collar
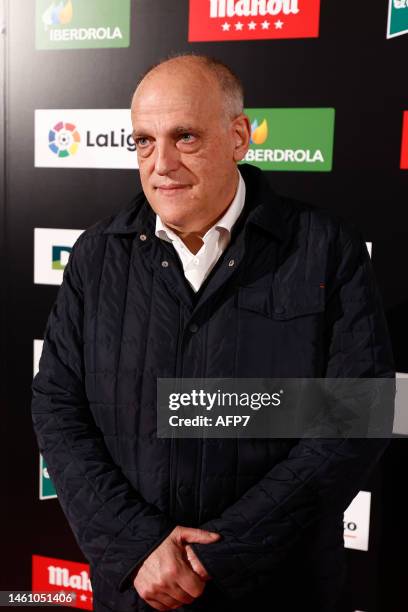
(131, 219)
(263, 208)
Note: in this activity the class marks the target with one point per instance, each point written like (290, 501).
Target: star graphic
(278, 24)
(252, 25)
(226, 26)
(239, 26)
(83, 598)
(265, 25)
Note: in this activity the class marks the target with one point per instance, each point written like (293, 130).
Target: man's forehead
(171, 102)
(171, 96)
(177, 125)
(172, 111)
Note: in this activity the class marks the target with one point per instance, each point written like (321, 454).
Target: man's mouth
(170, 190)
(170, 187)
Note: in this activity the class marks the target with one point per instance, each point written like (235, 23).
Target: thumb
(191, 534)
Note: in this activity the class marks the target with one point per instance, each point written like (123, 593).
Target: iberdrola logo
(58, 13)
(397, 18)
(82, 24)
(296, 139)
(259, 133)
(64, 139)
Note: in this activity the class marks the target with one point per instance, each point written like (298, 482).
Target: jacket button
(165, 264)
(143, 237)
(193, 327)
(231, 262)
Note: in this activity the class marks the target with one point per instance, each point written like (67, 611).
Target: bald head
(209, 75)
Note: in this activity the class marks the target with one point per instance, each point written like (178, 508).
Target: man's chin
(177, 222)
(172, 208)
(167, 201)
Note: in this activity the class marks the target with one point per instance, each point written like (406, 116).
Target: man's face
(187, 147)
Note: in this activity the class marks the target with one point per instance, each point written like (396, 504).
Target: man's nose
(167, 157)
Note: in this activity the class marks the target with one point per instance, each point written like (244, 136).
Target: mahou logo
(61, 576)
(253, 19)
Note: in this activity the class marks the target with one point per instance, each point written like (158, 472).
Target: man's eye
(187, 138)
(142, 142)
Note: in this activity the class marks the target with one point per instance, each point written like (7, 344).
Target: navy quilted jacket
(292, 296)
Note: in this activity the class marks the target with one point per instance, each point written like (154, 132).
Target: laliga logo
(58, 14)
(64, 139)
(259, 133)
(398, 4)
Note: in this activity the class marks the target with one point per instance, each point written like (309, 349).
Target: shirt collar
(226, 222)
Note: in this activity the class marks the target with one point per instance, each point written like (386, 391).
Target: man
(207, 274)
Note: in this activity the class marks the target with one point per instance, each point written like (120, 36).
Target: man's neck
(193, 240)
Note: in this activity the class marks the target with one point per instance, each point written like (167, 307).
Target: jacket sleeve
(114, 526)
(320, 477)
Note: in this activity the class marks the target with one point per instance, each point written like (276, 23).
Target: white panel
(357, 522)
(105, 138)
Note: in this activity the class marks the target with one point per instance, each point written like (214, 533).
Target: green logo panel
(293, 139)
(397, 18)
(82, 24)
(47, 490)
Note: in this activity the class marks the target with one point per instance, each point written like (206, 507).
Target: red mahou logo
(49, 575)
(253, 19)
(404, 146)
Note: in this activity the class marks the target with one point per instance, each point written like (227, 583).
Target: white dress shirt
(197, 267)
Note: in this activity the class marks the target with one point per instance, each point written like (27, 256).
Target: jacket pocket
(283, 304)
(280, 331)
(255, 299)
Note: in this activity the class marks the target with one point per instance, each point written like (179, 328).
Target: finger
(191, 582)
(177, 592)
(173, 585)
(191, 534)
(196, 563)
(155, 604)
(167, 601)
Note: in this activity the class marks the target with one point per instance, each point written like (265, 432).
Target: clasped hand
(172, 575)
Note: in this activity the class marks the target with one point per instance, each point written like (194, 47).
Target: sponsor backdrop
(328, 105)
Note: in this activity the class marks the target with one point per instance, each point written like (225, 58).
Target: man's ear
(242, 134)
